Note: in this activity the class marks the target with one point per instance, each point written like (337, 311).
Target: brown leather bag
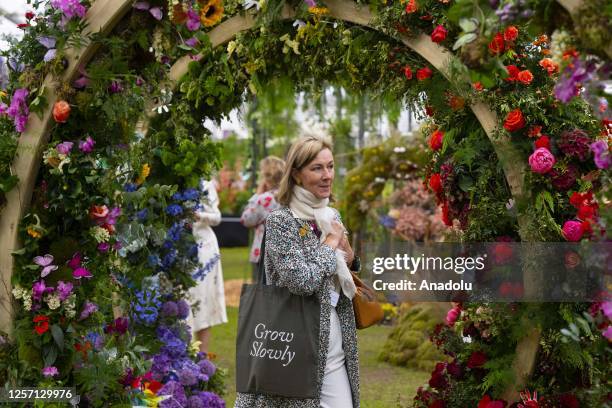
(367, 309)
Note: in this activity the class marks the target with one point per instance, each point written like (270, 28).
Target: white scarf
(306, 206)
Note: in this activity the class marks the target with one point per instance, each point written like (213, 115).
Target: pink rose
(541, 160)
(572, 231)
(452, 316)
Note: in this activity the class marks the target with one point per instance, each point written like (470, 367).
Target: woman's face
(318, 175)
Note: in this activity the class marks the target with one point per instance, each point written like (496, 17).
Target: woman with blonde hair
(307, 252)
(262, 203)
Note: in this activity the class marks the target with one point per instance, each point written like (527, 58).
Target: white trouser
(336, 390)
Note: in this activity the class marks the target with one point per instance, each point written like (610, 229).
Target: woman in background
(209, 291)
(262, 204)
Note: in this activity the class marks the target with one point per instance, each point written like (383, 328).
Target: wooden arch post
(101, 18)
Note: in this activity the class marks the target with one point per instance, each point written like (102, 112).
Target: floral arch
(207, 88)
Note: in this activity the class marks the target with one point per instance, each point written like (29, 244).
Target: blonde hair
(302, 151)
(272, 169)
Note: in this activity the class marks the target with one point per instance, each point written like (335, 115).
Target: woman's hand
(346, 247)
(334, 238)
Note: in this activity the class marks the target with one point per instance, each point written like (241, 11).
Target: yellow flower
(211, 12)
(33, 233)
(195, 346)
(318, 11)
(144, 173)
(303, 230)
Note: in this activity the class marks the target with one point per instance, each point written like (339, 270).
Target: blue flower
(146, 306)
(130, 187)
(177, 196)
(174, 232)
(174, 209)
(201, 273)
(387, 221)
(154, 260)
(142, 214)
(169, 259)
(191, 194)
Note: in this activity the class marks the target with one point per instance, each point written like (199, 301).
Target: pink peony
(572, 231)
(541, 160)
(452, 316)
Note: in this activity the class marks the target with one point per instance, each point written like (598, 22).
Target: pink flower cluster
(18, 110)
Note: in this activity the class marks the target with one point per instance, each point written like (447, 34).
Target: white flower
(27, 303)
(399, 149)
(510, 204)
(99, 234)
(250, 4)
(18, 292)
(53, 301)
(379, 180)
(299, 24)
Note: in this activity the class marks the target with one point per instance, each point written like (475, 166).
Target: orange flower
(179, 15)
(549, 65)
(525, 77)
(436, 140)
(411, 7)
(477, 86)
(211, 12)
(496, 46)
(456, 102)
(61, 111)
(542, 40)
(511, 33)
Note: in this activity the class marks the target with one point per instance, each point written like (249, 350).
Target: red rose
(446, 215)
(578, 199)
(435, 183)
(477, 86)
(513, 72)
(29, 15)
(424, 73)
(61, 111)
(41, 324)
(586, 228)
(487, 402)
(411, 7)
(439, 34)
(514, 121)
(543, 141)
(429, 110)
(436, 140)
(477, 359)
(408, 72)
(511, 33)
(525, 77)
(496, 46)
(586, 212)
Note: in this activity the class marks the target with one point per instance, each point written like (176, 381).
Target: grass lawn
(382, 385)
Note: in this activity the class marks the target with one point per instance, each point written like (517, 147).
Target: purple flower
(103, 246)
(39, 289)
(601, 154)
(156, 13)
(187, 377)
(193, 20)
(75, 261)
(64, 148)
(207, 367)
(64, 290)
(70, 8)
(118, 326)
(81, 272)
(177, 393)
(83, 80)
(139, 81)
(111, 217)
(211, 400)
(564, 179)
(87, 145)
(169, 309)
(192, 42)
(141, 5)
(310, 3)
(50, 371)
(19, 110)
(88, 309)
(195, 402)
(183, 309)
(115, 87)
(574, 77)
(608, 333)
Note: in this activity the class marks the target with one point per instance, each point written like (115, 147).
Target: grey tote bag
(277, 344)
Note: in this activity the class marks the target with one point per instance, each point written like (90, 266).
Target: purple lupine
(574, 76)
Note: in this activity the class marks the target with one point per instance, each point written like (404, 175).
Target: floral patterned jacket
(254, 215)
(294, 258)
